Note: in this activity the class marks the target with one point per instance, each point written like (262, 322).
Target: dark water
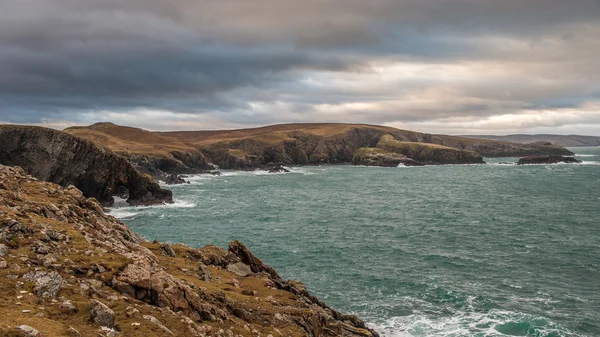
(470, 250)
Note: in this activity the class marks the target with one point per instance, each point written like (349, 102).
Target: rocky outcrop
(278, 169)
(489, 148)
(428, 153)
(370, 156)
(125, 286)
(547, 160)
(173, 179)
(58, 157)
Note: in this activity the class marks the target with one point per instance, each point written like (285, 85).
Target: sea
(453, 250)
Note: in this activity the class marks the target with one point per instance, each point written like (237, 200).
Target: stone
(47, 283)
(203, 273)
(3, 250)
(278, 169)
(29, 331)
(101, 314)
(67, 307)
(158, 323)
(72, 332)
(167, 250)
(240, 269)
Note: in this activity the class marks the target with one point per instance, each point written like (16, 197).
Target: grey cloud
(60, 59)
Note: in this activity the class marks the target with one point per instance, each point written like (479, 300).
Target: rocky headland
(68, 269)
(547, 160)
(302, 144)
(58, 157)
(148, 152)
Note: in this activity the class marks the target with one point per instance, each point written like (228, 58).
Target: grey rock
(72, 332)
(47, 284)
(158, 323)
(240, 269)
(167, 250)
(67, 307)
(101, 314)
(3, 250)
(29, 331)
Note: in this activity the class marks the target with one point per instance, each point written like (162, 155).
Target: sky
(437, 66)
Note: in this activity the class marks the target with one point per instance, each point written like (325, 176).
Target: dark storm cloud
(265, 61)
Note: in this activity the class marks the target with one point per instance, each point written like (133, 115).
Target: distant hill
(296, 144)
(560, 140)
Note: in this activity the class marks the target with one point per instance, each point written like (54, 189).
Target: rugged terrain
(68, 269)
(148, 152)
(559, 140)
(55, 156)
(311, 144)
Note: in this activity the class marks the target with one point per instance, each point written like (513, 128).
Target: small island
(547, 160)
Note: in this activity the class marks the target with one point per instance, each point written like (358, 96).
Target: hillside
(58, 157)
(68, 269)
(560, 140)
(303, 144)
(149, 152)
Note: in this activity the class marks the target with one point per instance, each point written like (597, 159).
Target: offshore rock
(278, 169)
(58, 157)
(547, 160)
(126, 282)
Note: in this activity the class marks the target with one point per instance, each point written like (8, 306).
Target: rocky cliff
(58, 157)
(148, 152)
(296, 144)
(68, 269)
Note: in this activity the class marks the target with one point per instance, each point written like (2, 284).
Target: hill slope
(58, 157)
(68, 269)
(301, 144)
(560, 140)
(148, 152)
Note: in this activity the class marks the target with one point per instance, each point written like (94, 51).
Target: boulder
(29, 331)
(47, 283)
(240, 269)
(101, 314)
(173, 179)
(278, 169)
(547, 160)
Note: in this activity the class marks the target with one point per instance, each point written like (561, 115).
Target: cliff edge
(68, 269)
(58, 157)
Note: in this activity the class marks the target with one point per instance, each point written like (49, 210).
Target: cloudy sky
(440, 66)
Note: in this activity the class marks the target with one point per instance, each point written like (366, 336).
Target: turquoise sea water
(467, 250)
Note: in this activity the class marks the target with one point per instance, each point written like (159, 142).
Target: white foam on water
(590, 163)
(128, 212)
(585, 155)
(122, 213)
(465, 324)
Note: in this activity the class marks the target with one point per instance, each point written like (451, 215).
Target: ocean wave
(585, 155)
(129, 212)
(122, 213)
(493, 323)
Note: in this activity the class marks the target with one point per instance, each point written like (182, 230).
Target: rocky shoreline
(68, 269)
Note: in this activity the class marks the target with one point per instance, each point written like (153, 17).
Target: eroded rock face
(95, 262)
(547, 160)
(58, 157)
